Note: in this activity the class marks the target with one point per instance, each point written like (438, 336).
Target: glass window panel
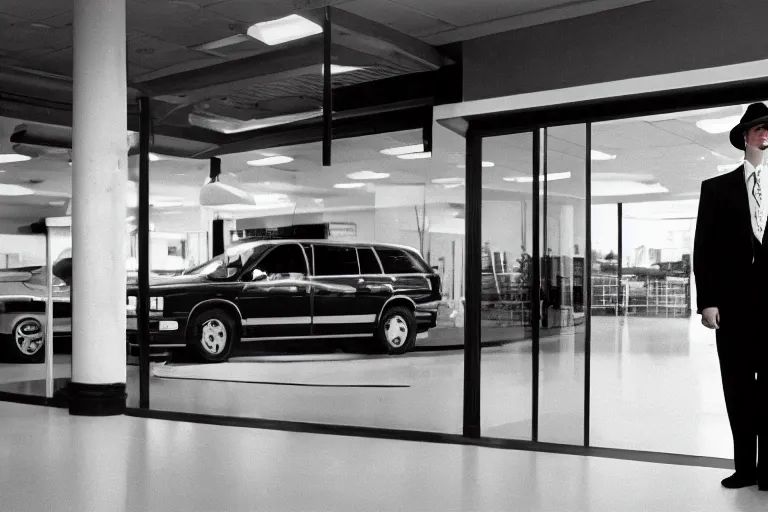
(507, 273)
(369, 264)
(335, 261)
(562, 335)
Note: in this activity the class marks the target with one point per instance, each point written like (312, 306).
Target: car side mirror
(258, 275)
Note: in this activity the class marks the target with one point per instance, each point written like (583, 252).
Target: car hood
(165, 281)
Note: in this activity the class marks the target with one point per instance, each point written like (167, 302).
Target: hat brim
(737, 133)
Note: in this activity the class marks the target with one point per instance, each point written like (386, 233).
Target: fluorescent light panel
(349, 185)
(415, 156)
(15, 190)
(599, 155)
(403, 150)
(270, 160)
(12, 158)
(283, 30)
(626, 188)
(529, 179)
(368, 175)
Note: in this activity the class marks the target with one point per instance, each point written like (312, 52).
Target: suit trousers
(742, 348)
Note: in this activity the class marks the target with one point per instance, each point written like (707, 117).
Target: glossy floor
(53, 461)
(655, 386)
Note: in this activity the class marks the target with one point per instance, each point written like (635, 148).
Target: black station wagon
(293, 290)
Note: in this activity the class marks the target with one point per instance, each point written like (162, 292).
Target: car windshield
(234, 257)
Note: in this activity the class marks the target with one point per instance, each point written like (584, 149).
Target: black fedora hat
(756, 114)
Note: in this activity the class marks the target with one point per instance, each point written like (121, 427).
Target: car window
(331, 260)
(282, 262)
(369, 264)
(398, 261)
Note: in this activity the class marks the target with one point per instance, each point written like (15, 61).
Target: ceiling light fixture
(337, 69)
(368, 175)
(485, 164)
(15, 190)
(289, 28)
(599, 155)
(403, 150)
(153, 157)
(529, 179)
(416, 156)
(12, 158)
(626, 188)
(448, 181)
(349, 185)
(721, 125)
(270, 160)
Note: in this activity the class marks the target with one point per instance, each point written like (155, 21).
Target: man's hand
(710, 318)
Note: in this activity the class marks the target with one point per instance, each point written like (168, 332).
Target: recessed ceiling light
(349, 185)
(271, 160)
(448, 181)
(415, 156)
(368, 175)
(599, 155)
(180, 174)
(529, 179)
(403, 150)
(485, 164)
(337, 69)
(57, 203)
(15, 190)
(153, 157)
(721, 125)
(13, 158)
(283, 30)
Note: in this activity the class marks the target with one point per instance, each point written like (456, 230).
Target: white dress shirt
(757, 210)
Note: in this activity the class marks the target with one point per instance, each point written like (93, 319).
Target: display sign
(301, 231)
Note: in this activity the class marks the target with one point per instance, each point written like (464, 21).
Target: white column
(99, 186)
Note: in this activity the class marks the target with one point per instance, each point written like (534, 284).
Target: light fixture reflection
(529, 179)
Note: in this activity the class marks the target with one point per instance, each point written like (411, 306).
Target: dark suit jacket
(724, 246)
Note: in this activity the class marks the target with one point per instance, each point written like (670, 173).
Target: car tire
(26, 343)
(396, 332)
(213, 335)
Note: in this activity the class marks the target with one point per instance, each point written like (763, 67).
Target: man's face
(757, 137)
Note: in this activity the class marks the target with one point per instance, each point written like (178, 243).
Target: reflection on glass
(507, 273)
(562, 335)
(655, 376)
(336, 329)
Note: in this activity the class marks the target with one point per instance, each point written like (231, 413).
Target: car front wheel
(213, 336)
(26, 343)
(396, 333)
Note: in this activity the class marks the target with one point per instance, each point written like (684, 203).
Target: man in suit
(730, 263)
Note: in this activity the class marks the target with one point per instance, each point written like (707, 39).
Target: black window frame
(375, 257)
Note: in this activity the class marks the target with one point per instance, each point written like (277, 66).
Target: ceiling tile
(180, 24)
(153, 53)
(458, 13)
(397, 16)
(255, 11)
(35, 10)
(58, 62)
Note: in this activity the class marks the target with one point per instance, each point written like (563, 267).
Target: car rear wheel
(213, 335)
(396, 333)
(27, 342)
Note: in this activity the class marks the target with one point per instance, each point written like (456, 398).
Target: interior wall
(646, 39)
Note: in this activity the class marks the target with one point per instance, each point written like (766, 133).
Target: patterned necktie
(757, 193)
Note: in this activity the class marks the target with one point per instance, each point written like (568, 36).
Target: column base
(96, 399)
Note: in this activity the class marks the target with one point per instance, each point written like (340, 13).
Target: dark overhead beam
(312, 132)
(372, 38)
(263, 68)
